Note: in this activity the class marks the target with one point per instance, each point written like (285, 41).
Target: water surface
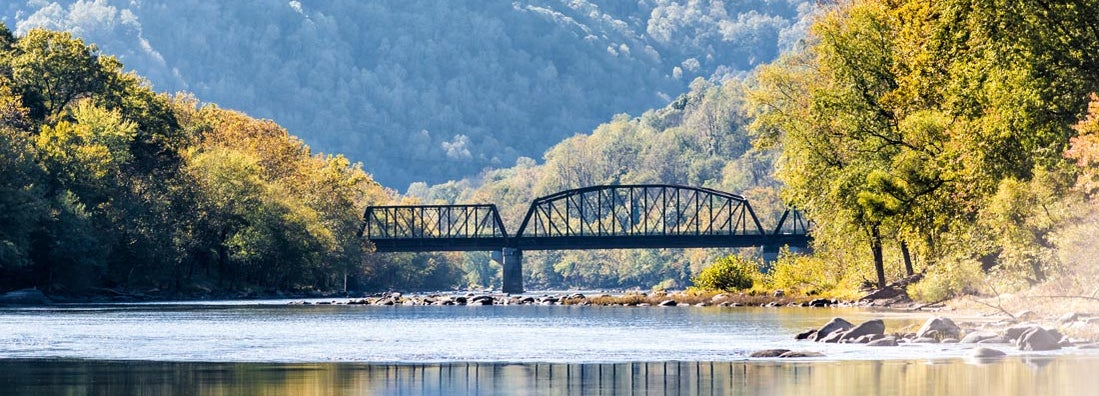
(274, 348)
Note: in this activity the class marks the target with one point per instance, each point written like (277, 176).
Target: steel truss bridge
(598, 217)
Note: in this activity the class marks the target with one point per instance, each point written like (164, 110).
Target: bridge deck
(587, 242)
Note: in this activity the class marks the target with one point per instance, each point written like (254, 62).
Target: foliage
(729, 273)
(107, 184)
(812, 275)
(940, 126)
(948, 280)
(453, 86)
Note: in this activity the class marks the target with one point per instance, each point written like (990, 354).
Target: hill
(428, 90)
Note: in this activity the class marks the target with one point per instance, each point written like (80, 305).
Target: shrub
(947, 281)
(730, 273)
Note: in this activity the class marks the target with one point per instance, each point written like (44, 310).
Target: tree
(54, 69)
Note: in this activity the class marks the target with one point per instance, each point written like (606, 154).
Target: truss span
(647, 210)
(433, 227)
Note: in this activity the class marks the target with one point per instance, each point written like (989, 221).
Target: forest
(453, 87)
(957, 140)
(954, 140)
(107, 186)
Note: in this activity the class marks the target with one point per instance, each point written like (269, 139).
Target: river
(275, 348)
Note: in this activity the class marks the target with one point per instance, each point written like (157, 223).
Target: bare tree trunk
(907, 259)
(879, 261)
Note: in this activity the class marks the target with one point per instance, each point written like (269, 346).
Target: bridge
(598, 217)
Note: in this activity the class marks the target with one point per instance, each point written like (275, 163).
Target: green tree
(54, 69)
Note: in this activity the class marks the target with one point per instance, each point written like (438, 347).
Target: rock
(1014, 333)
(834, 325)
(925, 340)
(1026, 315)
(1039, 339)
(1088, 346)
(887, 341)
(1069, 317)
(768, 353)
(482, 301)
(994, 340)
(973, 338)
(820, 302)
(949, 341)
(703, 304)
(832, 338)
(779, 293)
(668, 303)
(24, 297)
(460, 300)
(870, 327)
(805, 335)
(526, 300)
(801, 354)
(986, 353)
(944, 327)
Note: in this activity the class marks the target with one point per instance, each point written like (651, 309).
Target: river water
(277, 348)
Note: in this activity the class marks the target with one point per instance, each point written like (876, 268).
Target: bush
(945, 281)
(730, 273)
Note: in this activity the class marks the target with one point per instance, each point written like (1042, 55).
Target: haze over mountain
(429, 90)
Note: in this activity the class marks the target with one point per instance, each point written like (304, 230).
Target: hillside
(428, 90)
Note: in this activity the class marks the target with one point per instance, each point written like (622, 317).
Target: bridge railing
(639, 210)
(432, 222)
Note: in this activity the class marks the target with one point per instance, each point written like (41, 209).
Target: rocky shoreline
(987, 340)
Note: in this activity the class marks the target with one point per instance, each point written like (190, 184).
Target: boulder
(1039, 339)
(668, 303)
(834, 325)
(1013, 333)
(768, 353)
(870, 327)
(779, 293)
(24, 297)
(943, 328)
(986, 353)
(887, 341)
(1026, 315)
(800, 354)
(973, 338)
(925, 340)
(1069, 317)
(820, 302)
(805, 335)
(994, 340)
(832, 338)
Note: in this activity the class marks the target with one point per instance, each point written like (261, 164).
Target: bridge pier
(770, 255)
(513, 271)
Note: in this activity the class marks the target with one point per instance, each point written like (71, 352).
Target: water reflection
(1063, 375)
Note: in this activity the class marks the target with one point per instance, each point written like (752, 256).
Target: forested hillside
(429, 90)
(699, 139)
(109, 187)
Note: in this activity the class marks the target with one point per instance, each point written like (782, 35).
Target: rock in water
(836, 324)
(887, 341)
(870, 327)
(973, 338)
(805, 335)
(768, 353)
(987, 353)
(1039, 339)
(943, 327)
(668, 303)
(800, 354)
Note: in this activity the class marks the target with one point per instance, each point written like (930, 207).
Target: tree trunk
(907, 259)
(879, 261)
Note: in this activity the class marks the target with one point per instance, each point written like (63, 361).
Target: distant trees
(106, 184)
(512, 78)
